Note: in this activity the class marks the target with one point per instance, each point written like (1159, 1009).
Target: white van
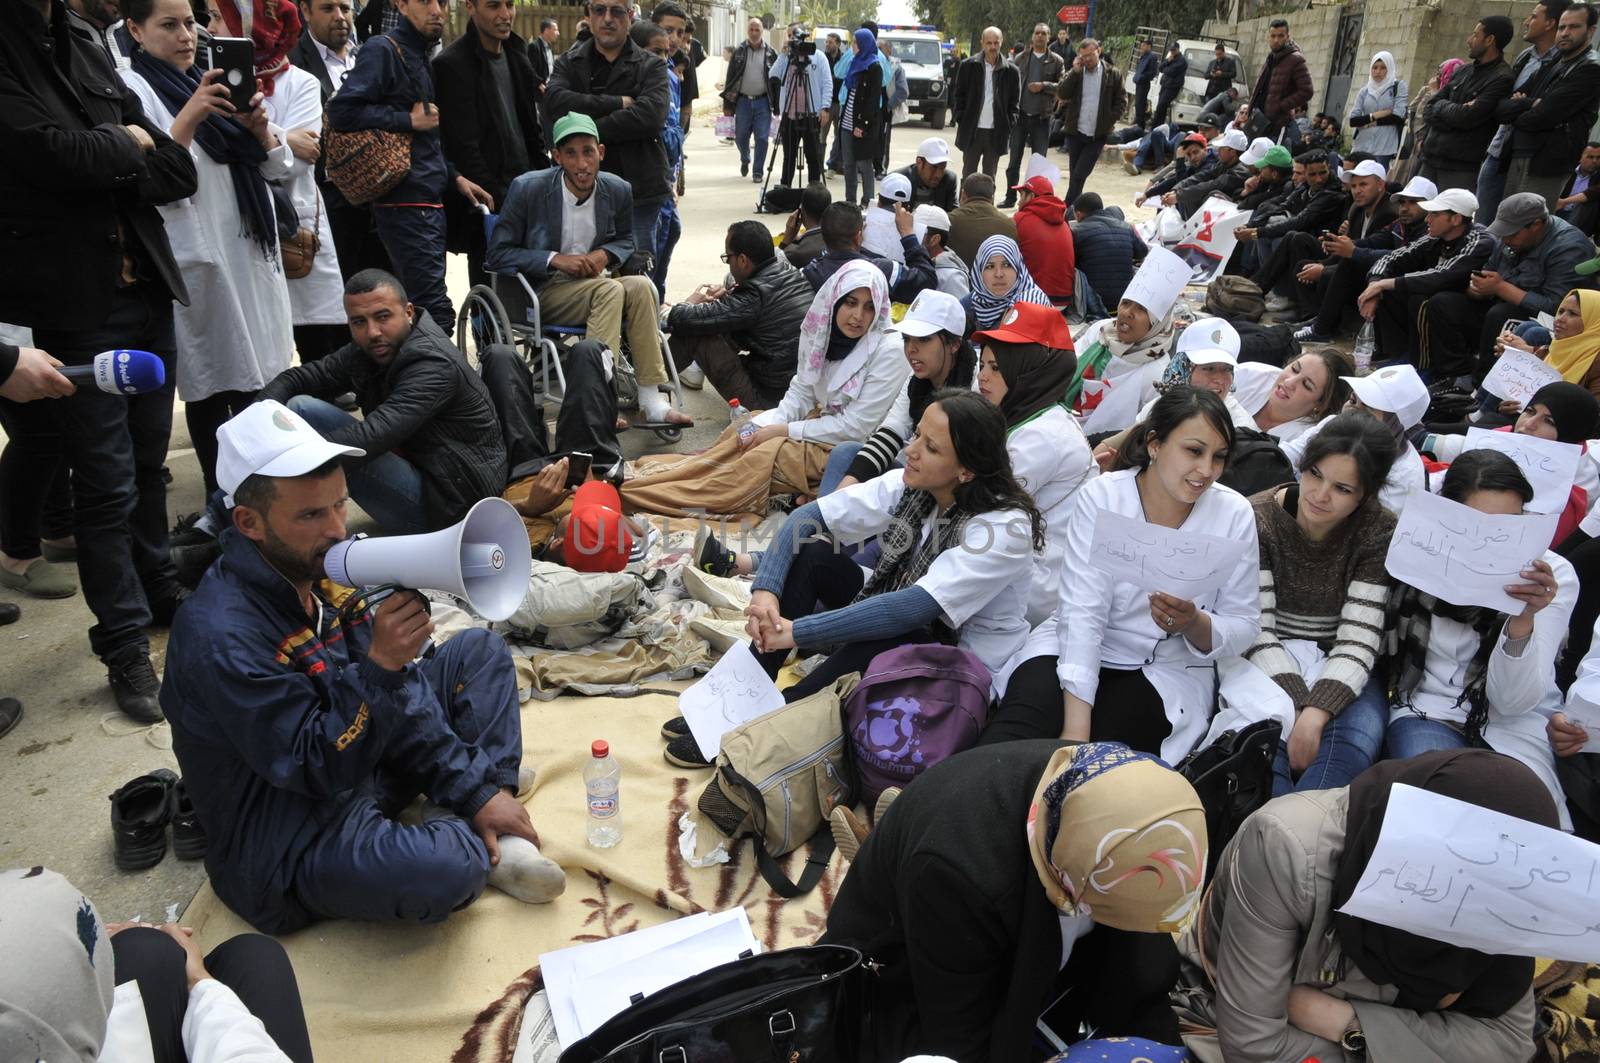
(919, 50)
(1191, 98)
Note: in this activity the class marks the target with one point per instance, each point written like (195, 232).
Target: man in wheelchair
(564, 229)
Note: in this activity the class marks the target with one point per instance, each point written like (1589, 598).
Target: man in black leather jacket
(760, 315)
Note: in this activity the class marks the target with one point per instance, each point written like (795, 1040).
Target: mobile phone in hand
(578, 467)
(235, 57)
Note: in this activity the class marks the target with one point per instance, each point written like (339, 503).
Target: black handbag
(1233, 777)
(802, 1004)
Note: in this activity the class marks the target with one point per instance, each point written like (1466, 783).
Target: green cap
(1588, 268)
(1278, 157)
(572, 123)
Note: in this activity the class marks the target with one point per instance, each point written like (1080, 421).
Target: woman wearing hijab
(1026, 365)
(850, 368)
(1417, 123)
(862, 118)
(998, 280)
(1008, 876)
(1121, 359)
(235, 334)
(1379, 113)
(74, 989)
(1273, 972)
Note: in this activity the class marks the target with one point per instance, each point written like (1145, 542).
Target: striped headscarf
(988, 308)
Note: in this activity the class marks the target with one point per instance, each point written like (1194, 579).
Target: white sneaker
(693, 377)
(1277, 304)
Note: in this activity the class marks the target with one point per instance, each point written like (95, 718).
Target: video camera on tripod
(800, 49)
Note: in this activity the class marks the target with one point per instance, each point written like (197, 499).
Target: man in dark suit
(984, 102)
(487, 118)
(327, 51)
(542, 51)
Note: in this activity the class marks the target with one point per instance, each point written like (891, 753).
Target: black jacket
(540, 63)
(805, 248)
(469, 108)
(71, 177)
(1107, 250)
(1430, 265)
(762, 316)
(916, 275)
(1220, 76)
(1460, 116)
(966, 98)
(735, 78)
(1173, 71)
(583, 81)
(1308, 211)
(1553, 122)
(942, 196)
(427, 405)
(304, 55)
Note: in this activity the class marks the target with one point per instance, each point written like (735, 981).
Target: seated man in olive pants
(563, 228)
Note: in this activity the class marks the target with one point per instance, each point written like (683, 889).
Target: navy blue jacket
(529, 229)
(1146, 67)
(1181, 170)
(379, 93)
(1108, 252)
(278, 719)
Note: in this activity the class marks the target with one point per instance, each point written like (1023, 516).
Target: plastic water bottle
(602, 778)
(741, 417)
(1365, 344)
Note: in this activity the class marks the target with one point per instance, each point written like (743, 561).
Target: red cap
(1196, 138)
(600, 748)
(597, 537)
(1030, 323)
(1038, 184)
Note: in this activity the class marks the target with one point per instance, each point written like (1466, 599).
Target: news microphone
(120, 372)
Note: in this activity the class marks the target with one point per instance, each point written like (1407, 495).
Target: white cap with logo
(933, 311)
(1395, 389)
(1256, 151)
(269, 439)
(1418, 188)
(1234, 139)
(1210, 341)
(896, 187)
(934, 150)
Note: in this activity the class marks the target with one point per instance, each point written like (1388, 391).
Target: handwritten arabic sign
(1454, 872)
(1548, 464)
(1462, 556)
(1517, 375)
(734, 692)
(1168, 560)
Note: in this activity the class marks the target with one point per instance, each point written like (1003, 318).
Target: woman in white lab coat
(1398, 398)
(1123, 356)
(1467, 675)
(1288, 402)
(1117, 663)
(234, 335)
(317, 299)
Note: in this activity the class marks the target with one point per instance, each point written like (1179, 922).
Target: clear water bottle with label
(602, 778)
(742, 418)
(1366, 343)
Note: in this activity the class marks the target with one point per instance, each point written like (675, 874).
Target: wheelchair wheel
(483, 321)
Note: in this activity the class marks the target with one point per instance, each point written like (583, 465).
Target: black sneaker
(685, 753)
(188, 836)
(744, 169)
(1009, 202)
(162, 610)
(135, 686)
(10, 714)
(140, 812)
(710, 556)
(187, 532)
(674, 728)
(192, 562)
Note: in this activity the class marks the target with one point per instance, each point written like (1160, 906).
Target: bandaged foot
(525, 873)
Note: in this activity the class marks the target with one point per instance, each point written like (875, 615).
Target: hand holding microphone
(36, 376)
(121, 372)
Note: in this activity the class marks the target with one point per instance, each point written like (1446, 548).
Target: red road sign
(1074, 13)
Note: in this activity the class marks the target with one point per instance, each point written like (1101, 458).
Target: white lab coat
(217, 1028)
(1252, 387)
(981, 586)
(1405, 475)
(236, 333)
(1051, 459)
(318, 297)
(854, 394)
(1101, 622)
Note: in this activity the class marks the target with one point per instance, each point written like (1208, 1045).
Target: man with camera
(805, 92)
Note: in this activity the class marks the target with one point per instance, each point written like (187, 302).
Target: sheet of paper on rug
(1164, 560)
(1549, 464)
(1456, 872)
(734, 692)
(1462, 556)
(1518, 374)
(572, 972)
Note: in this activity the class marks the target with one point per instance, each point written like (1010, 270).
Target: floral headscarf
(988, 308)
(817, 327)
(1447, 70)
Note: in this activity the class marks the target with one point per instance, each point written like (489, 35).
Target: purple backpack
(914, 706)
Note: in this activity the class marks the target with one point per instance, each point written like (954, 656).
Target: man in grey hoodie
(933, 226)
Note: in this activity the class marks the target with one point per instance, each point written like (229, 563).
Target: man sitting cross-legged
(303, 728)
(563, 228)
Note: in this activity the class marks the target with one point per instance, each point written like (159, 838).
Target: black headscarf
(1572, 407)
(1036, 376)
(920, 391)
(839, 344)
(1422, 969)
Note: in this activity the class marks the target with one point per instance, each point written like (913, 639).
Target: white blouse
(1051, 460)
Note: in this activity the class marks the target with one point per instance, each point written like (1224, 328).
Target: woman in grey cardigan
(1379, 113)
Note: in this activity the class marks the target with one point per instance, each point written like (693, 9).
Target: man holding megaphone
(302, 728)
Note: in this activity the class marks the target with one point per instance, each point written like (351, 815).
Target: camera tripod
(799, 136)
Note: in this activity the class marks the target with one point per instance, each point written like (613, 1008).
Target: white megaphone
(484, 560)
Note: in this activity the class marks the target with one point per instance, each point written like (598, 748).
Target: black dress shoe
(10, 613)
(188, 836)
(140, 812)
(135, 686)
(10, 714)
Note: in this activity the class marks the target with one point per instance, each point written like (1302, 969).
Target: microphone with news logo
(120, 372)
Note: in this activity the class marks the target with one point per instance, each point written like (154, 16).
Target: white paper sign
(1454, 872)
(1159, 281)
(1517, 375)
(1164, 560)
(1208, 238)
(1039, 166)
(1549, 465)
(734, 692)
(1462, 556)
(1582, 707)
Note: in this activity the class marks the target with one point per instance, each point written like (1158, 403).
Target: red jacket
(1046, 244)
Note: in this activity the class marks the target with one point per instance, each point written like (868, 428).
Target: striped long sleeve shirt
(1331, 592)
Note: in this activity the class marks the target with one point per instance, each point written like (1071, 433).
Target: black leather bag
(1233, 777)
(800, 1005)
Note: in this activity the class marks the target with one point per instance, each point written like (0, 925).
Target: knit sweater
(1330, 592)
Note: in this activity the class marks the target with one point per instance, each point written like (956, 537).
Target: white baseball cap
(934, 150)
(1418, 188)
(1210, 341)
(896, 187)
(1364, 168)
(932, 311)
(1458, 200)
(929, 216)
(1257, 149)
(269, 439)
(1395, 389)
(1235, 140)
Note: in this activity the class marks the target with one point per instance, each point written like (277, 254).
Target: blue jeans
(387, 486)
(752, 115)
(1491, 188)
(1350, 745)
(839, 459)
(646, 220)
(671, 228)
(1410, 735)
